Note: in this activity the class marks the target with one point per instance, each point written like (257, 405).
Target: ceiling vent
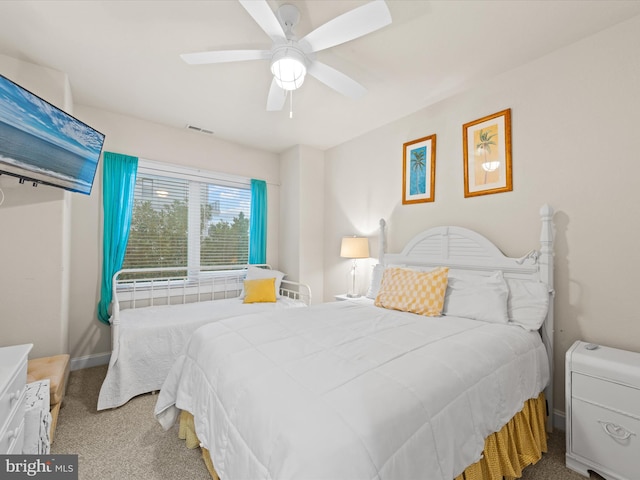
(198, 129)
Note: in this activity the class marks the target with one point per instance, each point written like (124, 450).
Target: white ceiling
(122, 56)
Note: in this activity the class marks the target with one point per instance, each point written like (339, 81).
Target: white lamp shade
(354, 247)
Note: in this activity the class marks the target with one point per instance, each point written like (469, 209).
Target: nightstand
(603, 411)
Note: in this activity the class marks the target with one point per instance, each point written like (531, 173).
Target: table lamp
(354, 247)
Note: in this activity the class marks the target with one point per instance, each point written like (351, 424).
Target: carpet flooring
(127, 443)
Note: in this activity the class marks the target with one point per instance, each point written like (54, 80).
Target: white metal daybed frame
(465, 250)
(202, 284)
(176, 287)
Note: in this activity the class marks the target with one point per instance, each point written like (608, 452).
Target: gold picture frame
(486, 145)
(419, 170)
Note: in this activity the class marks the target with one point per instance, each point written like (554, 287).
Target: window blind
(186, 220)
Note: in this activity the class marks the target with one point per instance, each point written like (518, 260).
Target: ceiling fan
(291, 59)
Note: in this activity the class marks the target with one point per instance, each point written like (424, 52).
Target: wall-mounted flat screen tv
(43, 144)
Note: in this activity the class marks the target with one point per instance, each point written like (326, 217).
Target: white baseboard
(559, 420)
(89, 361)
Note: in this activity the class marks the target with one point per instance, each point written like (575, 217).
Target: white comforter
(150, 340)
(351, 391)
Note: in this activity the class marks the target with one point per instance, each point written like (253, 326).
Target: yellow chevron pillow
(412, 291)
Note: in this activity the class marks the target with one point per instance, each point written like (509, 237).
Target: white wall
(575, 131)
(34, 238)
(302, 213)
(290, 210)
(312, 220)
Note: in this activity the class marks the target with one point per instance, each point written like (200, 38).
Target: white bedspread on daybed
(150, 339)
(346, 390)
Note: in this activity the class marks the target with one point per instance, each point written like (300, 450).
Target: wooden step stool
(56, 369)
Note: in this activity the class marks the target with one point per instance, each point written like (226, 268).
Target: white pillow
(376, 280)
(477, 297)
(528, 303)
(256, 273)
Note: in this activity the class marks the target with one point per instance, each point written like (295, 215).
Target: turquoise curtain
(258, 222)
(118, 183)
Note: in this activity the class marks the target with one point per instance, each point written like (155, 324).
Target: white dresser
(603, 411)
(13, 381)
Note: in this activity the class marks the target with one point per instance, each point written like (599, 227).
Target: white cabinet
(13, 381)
(603, 411)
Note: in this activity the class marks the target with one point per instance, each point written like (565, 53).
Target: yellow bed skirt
(519, 443)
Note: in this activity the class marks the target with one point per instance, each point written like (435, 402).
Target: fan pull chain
(291, 104)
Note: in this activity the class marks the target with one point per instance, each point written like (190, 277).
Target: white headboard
(462, 249)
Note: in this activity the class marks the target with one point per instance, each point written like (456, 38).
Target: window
(186, 218)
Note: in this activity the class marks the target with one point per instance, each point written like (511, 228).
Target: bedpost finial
(546, 210)
(382, 245)
(546, 216)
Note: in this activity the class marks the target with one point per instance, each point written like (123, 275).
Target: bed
(155, 311)
(358, 389)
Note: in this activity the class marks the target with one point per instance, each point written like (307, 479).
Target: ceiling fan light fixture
(291, 58)
(288, 68)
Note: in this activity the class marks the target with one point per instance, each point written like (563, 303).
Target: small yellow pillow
(262, 290)
(412, 291)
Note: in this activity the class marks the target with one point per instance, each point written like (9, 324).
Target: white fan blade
(224, 56)
(349, 26)
(277, 97)
(336, 80)
(264, 16)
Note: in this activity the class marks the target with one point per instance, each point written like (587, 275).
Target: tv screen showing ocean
(25, 155)
(40, 142)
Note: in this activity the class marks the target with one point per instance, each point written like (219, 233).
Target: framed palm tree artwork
(419, 170)
(486, 145)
